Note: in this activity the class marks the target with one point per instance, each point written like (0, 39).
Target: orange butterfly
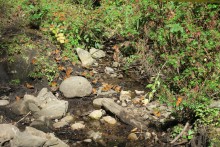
(179, 100)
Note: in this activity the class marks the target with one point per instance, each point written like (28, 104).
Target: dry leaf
(61, 68)
(94, 91)
(179, 100)
(69, 70)
(117, 88)
(65, 58)
(106, 87)
(33, 61)
(53, 84)
(17, 98)
(95, 81)
(157, 113)
(29, 86)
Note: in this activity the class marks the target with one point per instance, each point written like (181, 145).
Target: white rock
(96, 114)
(137, 92)
(147, 135)
(67, 119)
(4, 102)
(109, 70)
(60, 124)
(87, 140)
(76, 86)
(109, 120)
(85, 57)
(115, 64)
(96, 53)
(95, 135)
(125, 95)
(77, 126)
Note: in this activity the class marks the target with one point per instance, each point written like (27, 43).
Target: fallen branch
(180, 134)
(23, 117)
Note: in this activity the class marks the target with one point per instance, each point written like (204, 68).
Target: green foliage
(188, 135)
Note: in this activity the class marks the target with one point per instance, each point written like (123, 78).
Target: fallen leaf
(117, 88)
(61, 68)
(95, 81)
(29, 86)
(53, 84)
(33, 61)
(106, 87)
(94, 91)
(65, 58)
(157, 113)
(17, 98)
(69, 70)
(179, 100)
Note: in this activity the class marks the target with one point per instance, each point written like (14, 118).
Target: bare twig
(23, 117)
(180, 134)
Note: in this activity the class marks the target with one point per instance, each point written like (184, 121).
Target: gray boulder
(85, 57)
(30, 137)
(96, 53)
(46, 105)
(76, 86)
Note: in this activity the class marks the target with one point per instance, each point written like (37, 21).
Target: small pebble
(59, 124)
(87, 140)
(77, 126)
(139, 92)
(147, 135)
(67, 119)
(96, 114)
(132, 136)
(109, 120)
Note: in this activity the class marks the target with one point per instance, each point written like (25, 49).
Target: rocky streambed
(96, 105)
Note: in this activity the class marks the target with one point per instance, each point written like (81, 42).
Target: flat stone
(96, 53)
(109, 70)
(76, 86)
(77, 126)
(60, 124)
(109, 120)
(98, 102)
(85, 57)
(4, 102)
(68, 119)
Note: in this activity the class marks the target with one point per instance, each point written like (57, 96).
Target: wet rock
(125, 95)
(109, 70)
(4, 102)
(85, 57)
(132, 136)
(77, 126)
(76, 86)
(98, 102)
(96, 53)
(109, 120)
(96, 114)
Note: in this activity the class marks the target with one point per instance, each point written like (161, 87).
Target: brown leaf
(117, 88)
(61, 68)
(157, 113)
(17, 98)
(106, 87)
(69, 70)
(94, 91)
(29, 86)
(33, 61)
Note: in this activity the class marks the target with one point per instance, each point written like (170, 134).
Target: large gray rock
(85, 57)
(30, 137)
(46, 105)
(96, 53)
(76, 87)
